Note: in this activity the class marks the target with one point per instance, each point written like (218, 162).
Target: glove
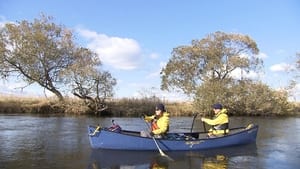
(151, 134)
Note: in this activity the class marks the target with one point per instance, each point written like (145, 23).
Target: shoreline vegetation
(47, 54)
(125, 107)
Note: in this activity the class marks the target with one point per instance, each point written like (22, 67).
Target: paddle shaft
(204, 128)
(193, 121)
(159, 149)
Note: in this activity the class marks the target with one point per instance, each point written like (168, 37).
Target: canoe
(106, 138)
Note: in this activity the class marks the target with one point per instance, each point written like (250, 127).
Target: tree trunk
(58, 95)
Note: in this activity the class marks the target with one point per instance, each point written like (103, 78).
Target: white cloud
(2, 21)
(238, 73)
(262, 55)
(20, 88)
(281, 67)
(120, 53)
(153, 75)
(163, 95)
(297, 92)
(157, 72)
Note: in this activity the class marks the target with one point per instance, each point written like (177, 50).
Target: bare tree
(94, 88)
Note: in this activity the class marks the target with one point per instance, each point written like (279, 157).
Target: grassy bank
(26, 105)
(121, 108)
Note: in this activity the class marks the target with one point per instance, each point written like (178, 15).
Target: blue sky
(135, 38)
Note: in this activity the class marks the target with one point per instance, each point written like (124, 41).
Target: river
(51, 142)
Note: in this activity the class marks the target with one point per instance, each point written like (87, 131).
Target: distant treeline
(126, 107)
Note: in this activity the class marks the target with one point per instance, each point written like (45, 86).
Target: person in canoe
(220, 122)
(159, 122)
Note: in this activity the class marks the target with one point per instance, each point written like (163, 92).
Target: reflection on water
(36, 142)
(218, 162)
(207, 159)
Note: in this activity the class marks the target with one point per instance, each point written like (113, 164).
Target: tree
(94, 88)
(209, 63)
(292, 87)
(41, 52)
(37, 52)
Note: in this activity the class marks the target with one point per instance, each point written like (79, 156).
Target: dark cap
(161, 107)
(217, 106)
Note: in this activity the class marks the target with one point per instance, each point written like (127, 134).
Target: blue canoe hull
(130, 140)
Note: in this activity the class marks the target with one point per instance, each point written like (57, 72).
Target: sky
(135, 38)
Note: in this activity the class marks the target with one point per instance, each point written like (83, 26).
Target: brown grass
(16, 104)
(126, 107)
(119, 107)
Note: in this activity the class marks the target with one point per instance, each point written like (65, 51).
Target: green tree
(203, 69)
(256, 98)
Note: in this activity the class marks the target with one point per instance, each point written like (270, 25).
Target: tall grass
(126, 107)
(28, 105)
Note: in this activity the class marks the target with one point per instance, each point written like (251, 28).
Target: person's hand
(151, 134)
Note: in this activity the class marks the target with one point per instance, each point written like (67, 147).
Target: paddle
(194, 117)
(204, 127)
(159, 149)
(96, 130)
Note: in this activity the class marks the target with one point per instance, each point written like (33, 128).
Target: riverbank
(125, 107)
(117, 107)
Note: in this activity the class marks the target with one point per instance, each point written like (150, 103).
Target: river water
(39, 142)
